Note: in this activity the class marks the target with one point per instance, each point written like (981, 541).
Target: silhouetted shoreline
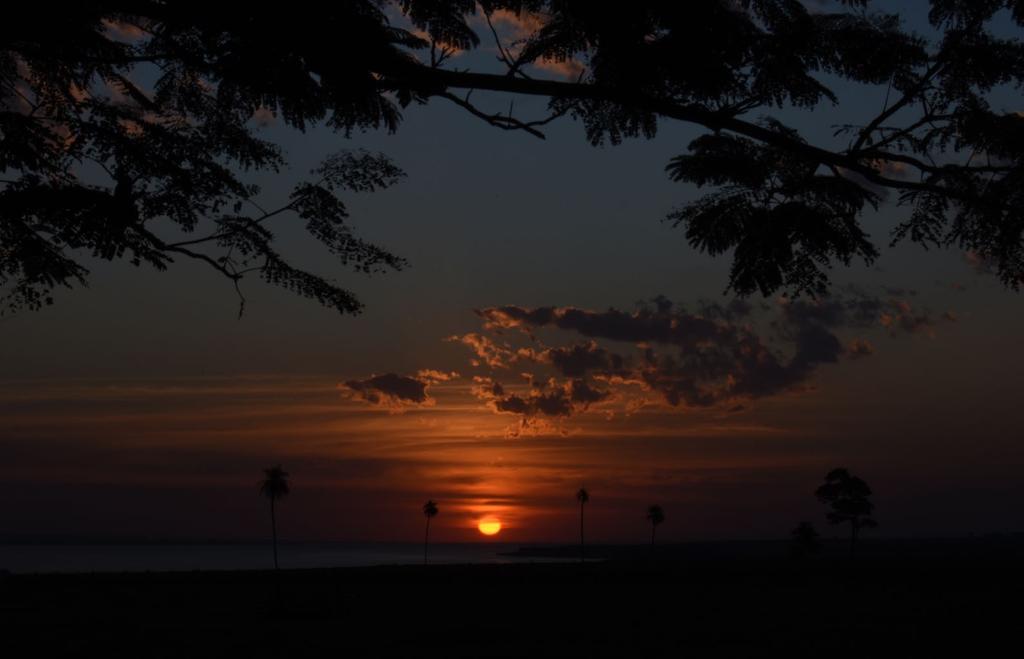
(996, 545)
(70, 557)
(729, 606)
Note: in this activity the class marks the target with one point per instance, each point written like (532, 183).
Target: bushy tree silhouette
(274, 487)
(804, 540)
(125, 125)
(847, 498)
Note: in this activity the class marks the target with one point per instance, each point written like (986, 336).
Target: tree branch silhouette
(162, 111)
(436, 82)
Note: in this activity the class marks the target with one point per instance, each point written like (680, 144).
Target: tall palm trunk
(273, 530)
(426, 540)
(654, 527)
(582, 551)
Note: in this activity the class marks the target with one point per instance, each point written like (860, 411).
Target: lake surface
(28, 558)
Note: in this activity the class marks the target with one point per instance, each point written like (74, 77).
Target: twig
(501, 121)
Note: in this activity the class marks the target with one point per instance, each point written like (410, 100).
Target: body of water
(28, 558)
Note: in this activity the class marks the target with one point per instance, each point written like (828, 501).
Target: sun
(489, 526)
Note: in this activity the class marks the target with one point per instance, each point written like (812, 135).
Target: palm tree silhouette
(274, 486)
(429, 511)
(583, 497)
(655, 515)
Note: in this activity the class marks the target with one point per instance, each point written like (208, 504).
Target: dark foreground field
(728, 607)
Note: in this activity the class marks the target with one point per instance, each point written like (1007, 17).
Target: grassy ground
(733, 607)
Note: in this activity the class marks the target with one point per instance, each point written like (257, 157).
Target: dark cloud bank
(396, 391)
(715, 354)
(552, 362)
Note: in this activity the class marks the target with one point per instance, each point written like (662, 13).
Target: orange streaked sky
(143, 407)
(180, 457)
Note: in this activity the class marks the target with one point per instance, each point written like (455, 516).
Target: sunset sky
(551, 332)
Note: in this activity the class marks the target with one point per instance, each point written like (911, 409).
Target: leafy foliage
(785, 209)
(125, 132)
(274, 485)
(126, 127)
(804, 541)
(785, 221)
(848, 499)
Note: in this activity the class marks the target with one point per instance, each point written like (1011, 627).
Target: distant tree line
(847, 498)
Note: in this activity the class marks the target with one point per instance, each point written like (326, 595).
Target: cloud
(397, 392)
(549, 398)
(514, 29)
(570, 68)
(122, 31)
(263, 117)
(540, 406)
(985, 265)
(577, 360)
(979, 263)
(720, 354)
(679, 329)
(859, 348)
(514, 26)
(545, 365)
(857, 309)
(487, 352)
(902, 317)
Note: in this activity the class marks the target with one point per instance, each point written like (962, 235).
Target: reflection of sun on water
(489, 526)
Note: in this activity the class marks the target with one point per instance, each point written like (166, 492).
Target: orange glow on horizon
(489, 526)
(349, 451)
